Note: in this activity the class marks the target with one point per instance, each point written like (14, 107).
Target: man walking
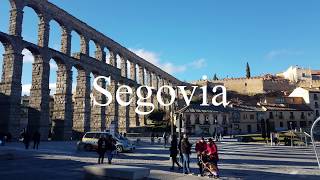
(101, 149)
(26, 139)
(174, 152)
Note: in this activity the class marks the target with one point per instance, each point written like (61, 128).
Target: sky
(190, 39)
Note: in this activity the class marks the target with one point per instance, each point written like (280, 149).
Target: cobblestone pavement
(61, 160)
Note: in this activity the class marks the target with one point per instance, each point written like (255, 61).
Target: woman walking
(174, 152)
(186, 151)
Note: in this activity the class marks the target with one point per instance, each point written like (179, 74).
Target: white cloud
(200, 63)
(27, 56)
(53, 66)
(283, 52)
(26, 89)
(169, 67)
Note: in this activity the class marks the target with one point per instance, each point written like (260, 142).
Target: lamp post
(215, 129)
(291, 133)
(180, 122)
(174, 108)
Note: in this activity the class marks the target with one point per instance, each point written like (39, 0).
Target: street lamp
(180, 122)
(215, 129)
(291, 133)
(175, 105)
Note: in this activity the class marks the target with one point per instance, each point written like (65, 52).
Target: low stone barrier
(108, 172)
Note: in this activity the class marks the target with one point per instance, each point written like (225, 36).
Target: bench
(104, 171)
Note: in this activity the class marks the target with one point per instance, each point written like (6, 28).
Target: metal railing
(313, 142)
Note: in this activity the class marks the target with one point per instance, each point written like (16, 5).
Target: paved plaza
(61, 160)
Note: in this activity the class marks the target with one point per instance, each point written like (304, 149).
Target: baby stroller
(209, 166)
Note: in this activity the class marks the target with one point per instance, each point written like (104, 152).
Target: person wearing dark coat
(110, 147)
(26, 139)
(186, 151)
(174, 152)
(179, 147)
(36, 140)
(101, 149)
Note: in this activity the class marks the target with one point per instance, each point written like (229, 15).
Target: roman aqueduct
(69, 117)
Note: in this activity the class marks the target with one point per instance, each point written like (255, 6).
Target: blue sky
(194, 38)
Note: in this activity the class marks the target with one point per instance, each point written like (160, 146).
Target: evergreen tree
(215, 77)
(248, 74)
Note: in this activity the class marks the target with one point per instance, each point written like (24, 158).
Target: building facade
(311, 97)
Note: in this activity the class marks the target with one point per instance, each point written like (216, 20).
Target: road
(61, 160)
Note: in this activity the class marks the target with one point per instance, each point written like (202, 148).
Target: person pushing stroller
(209, 159)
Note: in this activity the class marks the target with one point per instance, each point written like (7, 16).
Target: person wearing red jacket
(212, 156)
(201, 146)
(212, 151)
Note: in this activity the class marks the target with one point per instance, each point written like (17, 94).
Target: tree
(157, 116)
(248, 74)
(215, 77)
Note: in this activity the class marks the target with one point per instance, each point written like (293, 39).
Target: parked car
(89, 141)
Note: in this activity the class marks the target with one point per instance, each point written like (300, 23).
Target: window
(249, 128)
(281, 124)
(303, 74)
(317, 113)
(315, 96)
(197, 119)
(281, 115)
(245, 84)
(206, 120)
(279, 100)
(251, 116)
(270, 115)
(316, 105)
(258, 127)
(291, 115)
(302, 115)
(303, 124)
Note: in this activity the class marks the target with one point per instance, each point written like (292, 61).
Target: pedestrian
(186, 151)
(26, 139)
(3, 140)
(152, 138)
(110, 148)
(212, 154)
(36, 140)
(165, 139)
(101, 149)
(201, 146)
(174, 152)
(180, 152)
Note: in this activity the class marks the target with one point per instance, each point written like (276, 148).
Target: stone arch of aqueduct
(69, 117)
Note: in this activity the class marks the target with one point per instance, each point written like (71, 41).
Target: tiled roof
(211, 108)
(203, 109)
(286, 107)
